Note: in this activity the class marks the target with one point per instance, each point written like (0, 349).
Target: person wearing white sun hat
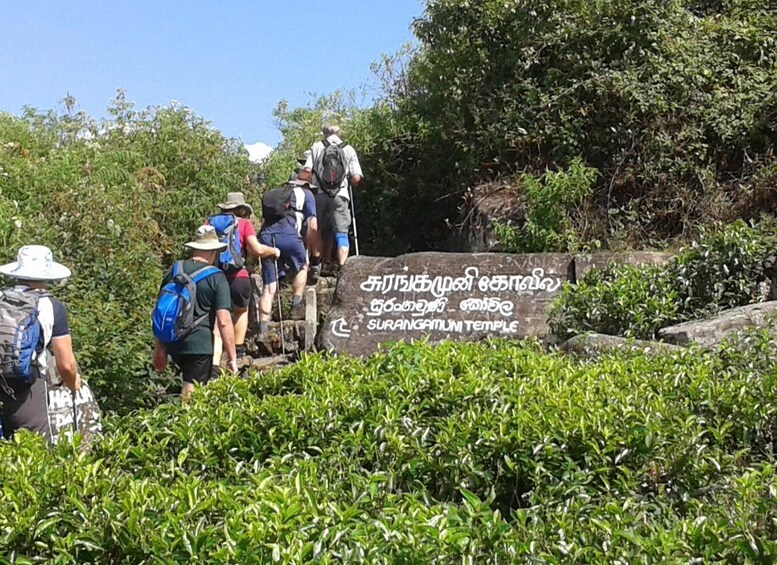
(23, 386)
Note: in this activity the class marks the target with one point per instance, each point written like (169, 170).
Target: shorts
(29, 410)
(194, 368)
(240, 291)
(334, 214)
(293, 255)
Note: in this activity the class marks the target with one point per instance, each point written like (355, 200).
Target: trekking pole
(280, 308)
(75, 412)
(353, 219)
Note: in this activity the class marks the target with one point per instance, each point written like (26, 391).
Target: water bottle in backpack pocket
(173, 316)
(226, 226)
(20, 333)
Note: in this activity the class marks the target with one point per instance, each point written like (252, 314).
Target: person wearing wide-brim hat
(25, 401)
(239, 278)
(234, 202)
(192, 354)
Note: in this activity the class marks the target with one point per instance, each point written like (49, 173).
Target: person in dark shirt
(284, 233)
(25, 405)
(192, 354)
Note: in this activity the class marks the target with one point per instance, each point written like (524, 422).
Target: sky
(230, 61)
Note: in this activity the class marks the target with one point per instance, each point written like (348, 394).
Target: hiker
(300, 165)
(192, 352)
(236, 212)
(334, 165)
(42, 324)
(284, 210)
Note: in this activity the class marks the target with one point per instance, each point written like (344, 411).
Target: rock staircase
(298, 336)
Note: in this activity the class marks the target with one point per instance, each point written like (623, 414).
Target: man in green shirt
(192, 354)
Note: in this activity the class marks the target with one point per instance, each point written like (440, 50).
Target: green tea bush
(115, 200)
(489, 452)
(722, 270)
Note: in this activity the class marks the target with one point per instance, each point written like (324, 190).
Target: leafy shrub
(115, 200)
(490, 452)
(547, 202)
(722, 270)
(672, 102)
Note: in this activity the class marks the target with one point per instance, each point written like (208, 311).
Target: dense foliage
(722, 270)
(115, 200)
(490, 452)
(672, 102)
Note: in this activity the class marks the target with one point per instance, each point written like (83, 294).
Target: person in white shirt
(24, 402)
(333, 211)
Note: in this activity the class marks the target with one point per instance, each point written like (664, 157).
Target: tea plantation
(489, 452)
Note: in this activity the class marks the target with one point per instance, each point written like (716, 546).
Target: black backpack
(332, 169)
(276, 204)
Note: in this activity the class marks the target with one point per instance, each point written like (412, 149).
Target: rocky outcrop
(488, 203)
(712, 331)
(438, 296)
(594, 345)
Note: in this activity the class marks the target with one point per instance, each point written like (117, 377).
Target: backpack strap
(197, 276)
(177, 268)
(203, 273)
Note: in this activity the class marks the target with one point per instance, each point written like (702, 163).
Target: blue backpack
(231, 259)
(19, 333)
(173, 316)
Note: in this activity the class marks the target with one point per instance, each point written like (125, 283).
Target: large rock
(584, 263)
(439, 296)
(489, 203)
(593, 345)
(710, 332)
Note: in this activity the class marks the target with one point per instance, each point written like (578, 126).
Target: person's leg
(316, 240)
(341, 221)
(269, 286)
(240, 291)
(194, 369)
(295, 253)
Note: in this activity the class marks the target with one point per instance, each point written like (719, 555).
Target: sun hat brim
(55, 272)
(206, 246)
(226, 207)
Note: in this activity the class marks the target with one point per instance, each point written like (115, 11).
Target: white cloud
(258, 152)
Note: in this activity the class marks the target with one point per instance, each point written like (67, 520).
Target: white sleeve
(46, 319)
(354, 167)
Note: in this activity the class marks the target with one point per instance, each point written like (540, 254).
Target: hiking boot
(314, 273)
(298, 311)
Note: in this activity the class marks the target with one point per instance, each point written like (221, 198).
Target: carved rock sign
(458, 296)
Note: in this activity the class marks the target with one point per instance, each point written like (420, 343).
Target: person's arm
(309, 161)
(309, 212)
(159, 361)
(62, 347)
(227, 331)
(354, 168)
(260, 250)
